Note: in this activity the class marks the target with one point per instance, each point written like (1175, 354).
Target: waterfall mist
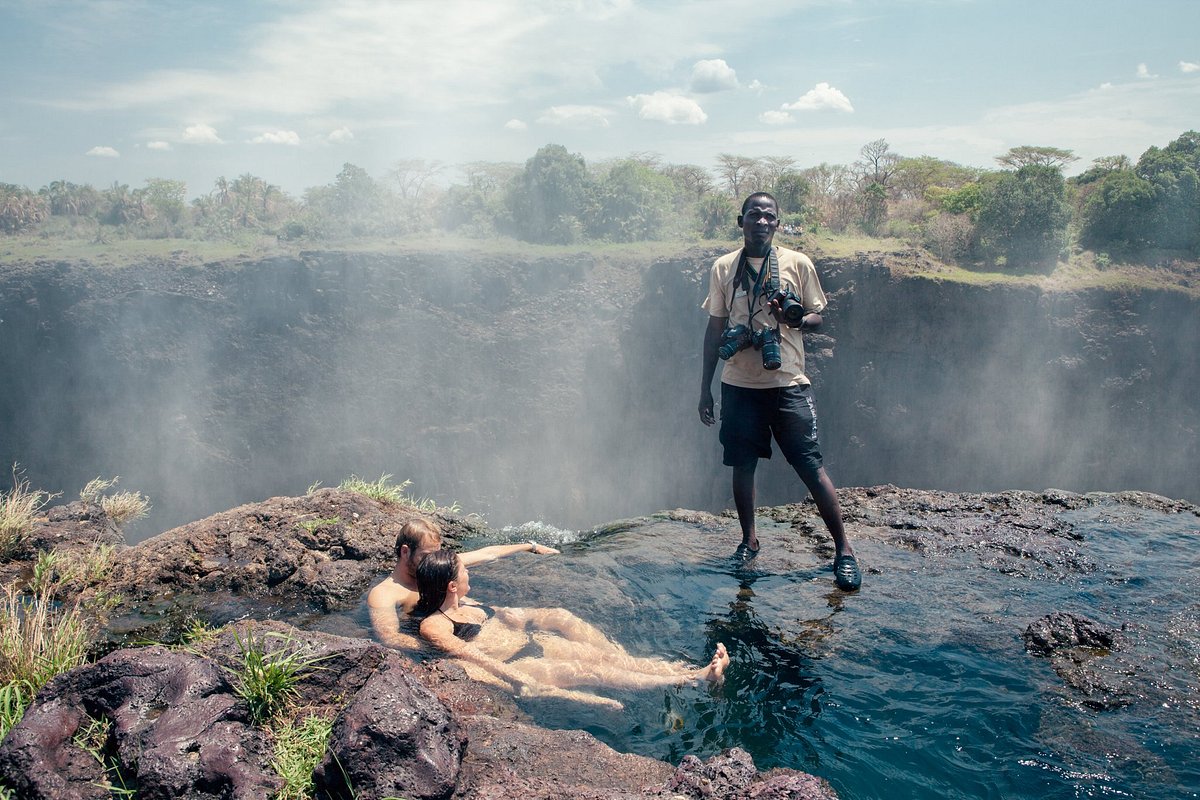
(563, 387)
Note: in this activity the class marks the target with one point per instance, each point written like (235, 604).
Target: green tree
(1119, 211)
(1030, 155)
(632, 203)
(1023, 215)
(716, 214)
(792, 191)
(547, 200)
(165, 198)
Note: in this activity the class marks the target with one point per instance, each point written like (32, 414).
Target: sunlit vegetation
(384, 489)
(1022, 216)
(19, 507)
(299, 747)
(119, 507)
(40, 637)
(265, 676)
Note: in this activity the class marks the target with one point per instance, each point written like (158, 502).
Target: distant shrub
(950, 236)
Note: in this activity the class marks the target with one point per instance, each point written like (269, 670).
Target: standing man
(759, 300)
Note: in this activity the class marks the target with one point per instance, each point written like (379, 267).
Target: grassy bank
(1084, 270)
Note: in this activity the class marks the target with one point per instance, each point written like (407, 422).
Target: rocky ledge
(172, 722)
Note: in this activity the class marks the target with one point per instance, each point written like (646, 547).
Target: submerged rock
(1061, 630)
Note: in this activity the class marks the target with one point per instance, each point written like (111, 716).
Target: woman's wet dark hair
(434, 574)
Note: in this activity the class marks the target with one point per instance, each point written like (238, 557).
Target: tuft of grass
(299, 747)
(313, 525)
(55, 573)
(95, 489)
(384, 489)
(266, 678)
(124, 507)
(39, 639)
(19, 507)
(121, 507)
(93, 739)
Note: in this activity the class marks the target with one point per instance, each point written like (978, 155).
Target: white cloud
(515, 125)
(103, 152)
(666, 107)
(1188, 66)
(201, 134)
(1144, 72)
(1106, 85)
(575, 116)
(277, 137)
(159, 145)
(713, 75)
(756, 86)
(341, 135)
(821, 97)
(775, 117)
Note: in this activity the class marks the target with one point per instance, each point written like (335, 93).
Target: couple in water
(548, 652)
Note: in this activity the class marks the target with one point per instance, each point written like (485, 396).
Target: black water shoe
(744, 553)
(846, 574)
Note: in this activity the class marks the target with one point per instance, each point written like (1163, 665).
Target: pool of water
(916, 687)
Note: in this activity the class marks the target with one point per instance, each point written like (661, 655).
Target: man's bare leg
(743, 500)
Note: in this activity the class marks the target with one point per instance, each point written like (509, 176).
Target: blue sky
(125, 90)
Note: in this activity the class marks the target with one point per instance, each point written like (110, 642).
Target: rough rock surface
(170, 724)
(1078, 649)
(277, 558)
(1062, 630)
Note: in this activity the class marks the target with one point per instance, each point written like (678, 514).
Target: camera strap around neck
(763, 282)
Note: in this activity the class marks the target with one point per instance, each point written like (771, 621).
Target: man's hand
(706, 409)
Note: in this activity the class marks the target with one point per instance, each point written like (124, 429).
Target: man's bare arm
(485, 554)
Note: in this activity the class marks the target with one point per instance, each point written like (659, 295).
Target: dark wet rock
(174, 729)
(1079, 649)
(732, 775)
(394, 738)
(1061, 630)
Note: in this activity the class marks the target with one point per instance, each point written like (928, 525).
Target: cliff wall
(564, 388)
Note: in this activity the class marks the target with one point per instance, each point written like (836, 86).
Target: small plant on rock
(314, 525)
(121, 507)
(266, 678)
(39, 639)
(19, 506)
(299, 747)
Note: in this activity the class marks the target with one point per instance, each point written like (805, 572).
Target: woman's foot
(715, 671)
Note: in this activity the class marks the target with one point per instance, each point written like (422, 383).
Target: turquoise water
(916, 687)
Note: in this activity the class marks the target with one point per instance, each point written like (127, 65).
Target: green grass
(266, 678)
(383, 489)
(313, 525)
(120, 507)
(93, 739)
(299, 747)
(39, 639)
(19, 508)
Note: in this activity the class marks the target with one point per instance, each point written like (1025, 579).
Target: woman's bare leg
(568, 674)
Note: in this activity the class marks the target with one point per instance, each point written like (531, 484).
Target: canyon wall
(564, 388)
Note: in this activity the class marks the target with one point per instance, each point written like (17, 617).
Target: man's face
(428, 545)
(759, 221)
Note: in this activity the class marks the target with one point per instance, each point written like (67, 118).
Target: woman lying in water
(537, 651)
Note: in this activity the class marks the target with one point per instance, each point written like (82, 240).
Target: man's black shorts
(749, 417)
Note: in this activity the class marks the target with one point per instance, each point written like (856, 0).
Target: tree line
(1023, 212)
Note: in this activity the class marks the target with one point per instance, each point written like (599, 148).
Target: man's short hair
(415, 533)
(766, 195)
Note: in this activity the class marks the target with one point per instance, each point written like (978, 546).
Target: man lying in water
(537, 651)
(396, 594)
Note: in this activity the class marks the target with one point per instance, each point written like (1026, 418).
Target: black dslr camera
(738, 338)
(791, 310)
